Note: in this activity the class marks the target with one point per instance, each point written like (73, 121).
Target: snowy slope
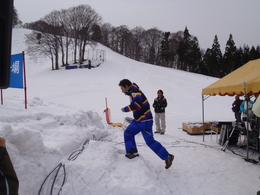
(65, 115)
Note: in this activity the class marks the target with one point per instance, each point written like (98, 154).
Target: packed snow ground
(64, 127)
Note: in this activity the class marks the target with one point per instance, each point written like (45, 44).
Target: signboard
(16, 71)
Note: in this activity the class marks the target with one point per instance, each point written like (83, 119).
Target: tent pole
(247, 128)
(247, 145)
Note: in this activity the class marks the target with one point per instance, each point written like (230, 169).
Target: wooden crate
(195, 128)
(184, 126)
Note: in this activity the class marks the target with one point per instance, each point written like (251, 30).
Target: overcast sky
(203, 18)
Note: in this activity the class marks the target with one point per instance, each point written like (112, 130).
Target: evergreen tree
(195, 55)
(165, 53)
(189, 53)
(229, 58)
(206, 62)
(258, 51)
(212, 59)
(216, 63)
(254, 53)
(246, 54)
(183, 50)
(238, 58)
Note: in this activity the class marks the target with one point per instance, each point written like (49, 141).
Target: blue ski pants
(147, 131)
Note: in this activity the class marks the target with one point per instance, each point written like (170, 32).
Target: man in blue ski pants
(143, 122)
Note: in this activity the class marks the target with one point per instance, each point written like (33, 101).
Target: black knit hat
(160, 91)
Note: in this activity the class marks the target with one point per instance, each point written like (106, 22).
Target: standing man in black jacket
(159, 104)
(236, 108)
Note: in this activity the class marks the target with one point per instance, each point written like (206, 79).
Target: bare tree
(55, 33)
(122, 35)
(152, 45)
(138, 35)
(67, 34)
(36, 49)
(174, 40)
(105, 32)
(113, 40)
(50, 40)
(59, 29)
(16, 20)
(82, 19)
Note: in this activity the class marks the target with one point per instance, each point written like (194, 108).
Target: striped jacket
(139, 104)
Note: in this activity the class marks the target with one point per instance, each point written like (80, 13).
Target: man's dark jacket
(159, 105)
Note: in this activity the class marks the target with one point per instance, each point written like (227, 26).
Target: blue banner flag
(16, 72)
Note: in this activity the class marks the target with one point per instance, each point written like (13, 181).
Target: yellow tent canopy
(243, 80)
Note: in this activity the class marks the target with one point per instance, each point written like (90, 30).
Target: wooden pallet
(196, 128)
